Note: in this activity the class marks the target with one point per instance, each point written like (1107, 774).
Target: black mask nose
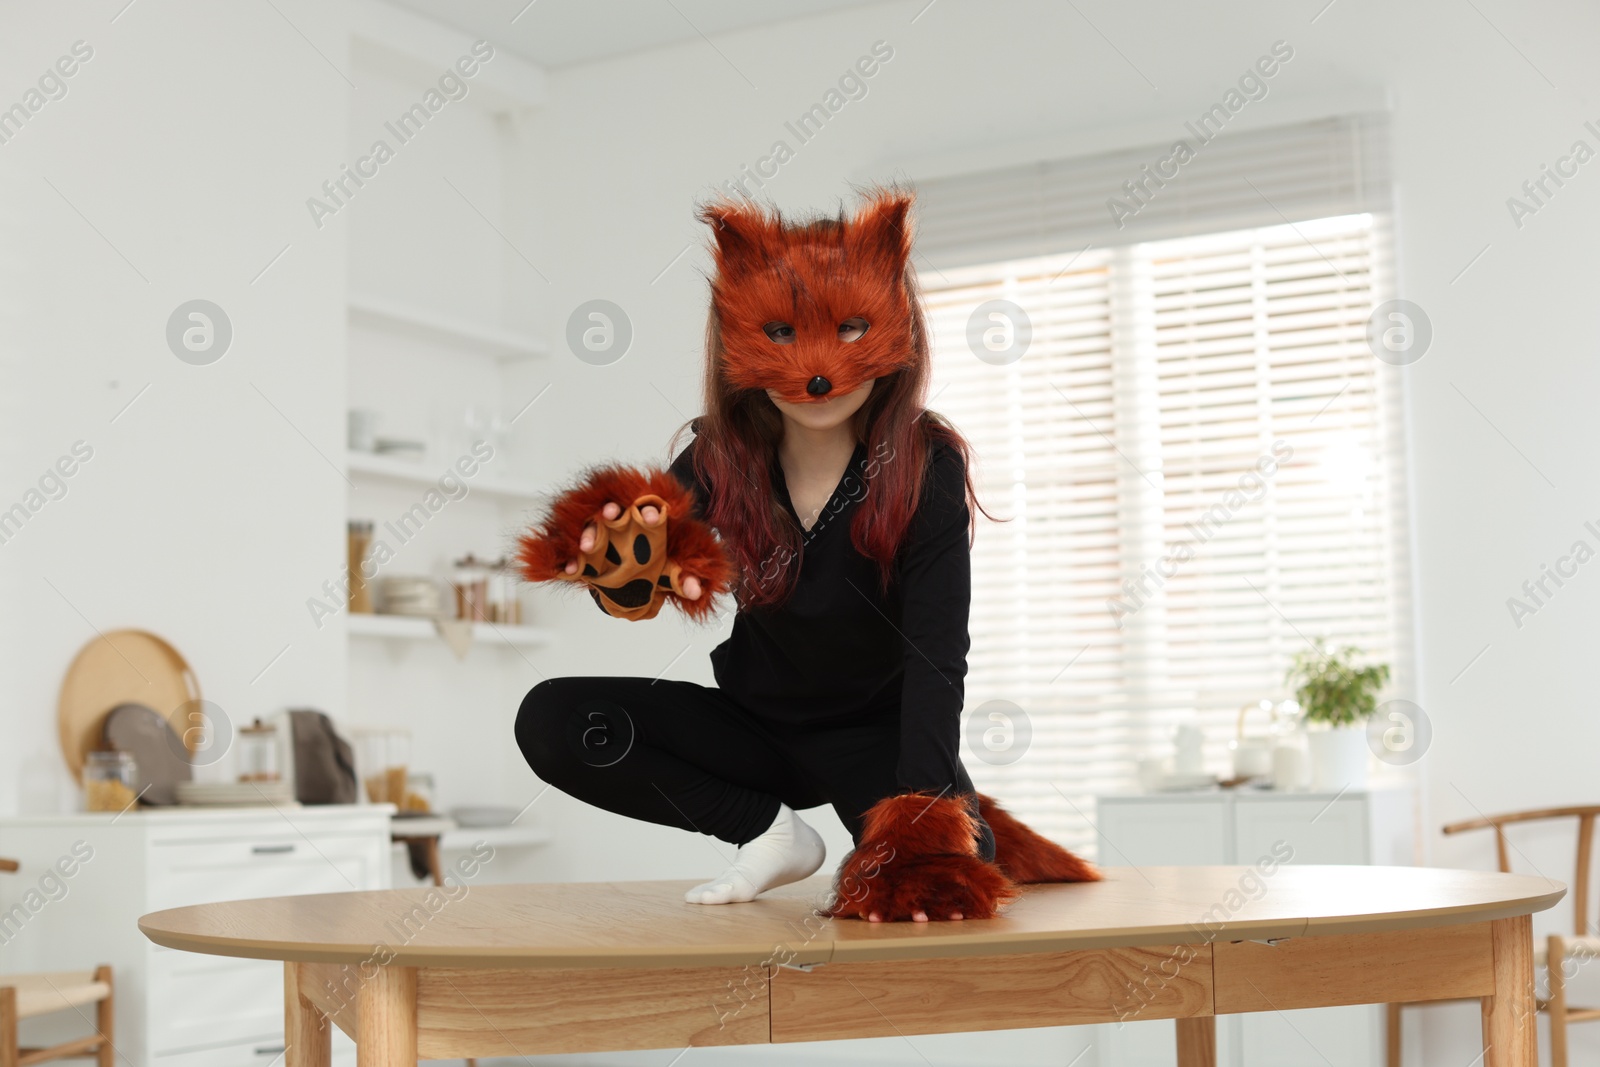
(819, 386)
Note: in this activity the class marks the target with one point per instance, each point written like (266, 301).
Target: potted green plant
(1337, 696)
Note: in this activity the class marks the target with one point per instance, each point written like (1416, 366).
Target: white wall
(416, 242)
(189, 142)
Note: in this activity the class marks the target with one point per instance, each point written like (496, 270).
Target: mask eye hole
(779, 333)
(853, 329)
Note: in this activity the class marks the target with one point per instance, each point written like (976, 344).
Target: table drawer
(969, 993)
(265, 866)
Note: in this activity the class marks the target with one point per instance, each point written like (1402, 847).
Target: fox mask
(812, 310)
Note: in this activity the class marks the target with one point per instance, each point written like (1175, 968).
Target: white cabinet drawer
(266, 1053)
(1163, 833)
(1318, 830)
(254, 1054)
(288, 865)
(198, 1001)
(175, 1009)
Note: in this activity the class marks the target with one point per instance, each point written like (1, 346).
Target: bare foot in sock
(788, 851)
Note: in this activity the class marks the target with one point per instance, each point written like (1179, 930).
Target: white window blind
(1238, 179)
(1200, 460)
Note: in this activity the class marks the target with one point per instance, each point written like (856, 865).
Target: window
(1201, 463)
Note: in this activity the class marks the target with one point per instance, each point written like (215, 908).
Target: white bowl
(483, 816)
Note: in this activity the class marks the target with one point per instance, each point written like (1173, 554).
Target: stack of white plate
(236, 794)
(405, 594)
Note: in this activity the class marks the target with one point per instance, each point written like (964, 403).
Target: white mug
(1290, 767)
(1253, 757)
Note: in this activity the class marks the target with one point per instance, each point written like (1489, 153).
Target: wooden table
(509, 970)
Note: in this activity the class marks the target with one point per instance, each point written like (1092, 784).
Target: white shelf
(415, 628)
(464, 837)
(461, 838)
(366, 465)
(503, 344)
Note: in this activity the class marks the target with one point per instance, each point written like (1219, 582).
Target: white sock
(788, 851)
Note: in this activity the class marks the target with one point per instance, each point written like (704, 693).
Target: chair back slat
(1585, 815)
(1580, 880)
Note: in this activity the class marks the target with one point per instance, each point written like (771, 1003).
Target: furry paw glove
(634, 567)
(919, 852)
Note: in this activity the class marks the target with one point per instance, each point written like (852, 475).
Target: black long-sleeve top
(840, 647)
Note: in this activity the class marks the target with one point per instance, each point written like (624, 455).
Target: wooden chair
(26, 995)
(1560, 951)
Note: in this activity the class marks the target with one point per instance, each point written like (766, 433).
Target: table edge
(982, 940)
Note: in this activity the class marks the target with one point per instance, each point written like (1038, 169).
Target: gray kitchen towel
(324, 766)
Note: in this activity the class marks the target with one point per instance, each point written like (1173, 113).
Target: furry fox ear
(741, 230)
(881, 229)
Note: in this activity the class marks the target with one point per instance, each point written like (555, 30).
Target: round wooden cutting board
(121, 667)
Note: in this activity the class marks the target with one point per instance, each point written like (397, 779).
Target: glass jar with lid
(110, 781)
(383, 758)
(258, 752)
(470, 579)
(504, 607)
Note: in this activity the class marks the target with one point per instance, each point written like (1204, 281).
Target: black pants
(685, 755)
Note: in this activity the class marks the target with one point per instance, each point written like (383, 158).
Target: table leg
(386, 1024)
(1510, 1022)
(307, 1033)
(1197, 1041)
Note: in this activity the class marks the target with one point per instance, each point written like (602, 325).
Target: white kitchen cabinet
(177, 1009)
(1373, 826)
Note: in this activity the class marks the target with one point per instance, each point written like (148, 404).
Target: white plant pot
(1338, 758)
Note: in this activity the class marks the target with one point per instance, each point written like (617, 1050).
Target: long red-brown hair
(814, 274)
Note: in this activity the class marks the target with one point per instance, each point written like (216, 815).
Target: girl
(838, 511)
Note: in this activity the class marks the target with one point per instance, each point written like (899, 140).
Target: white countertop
(179, 814)
(1215, 792)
